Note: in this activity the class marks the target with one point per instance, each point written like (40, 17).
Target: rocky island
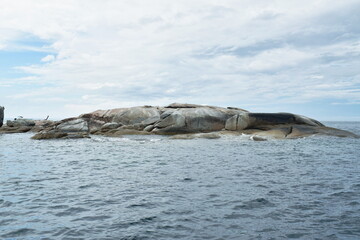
(181, 121)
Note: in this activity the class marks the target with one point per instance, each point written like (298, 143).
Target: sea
(153, 187)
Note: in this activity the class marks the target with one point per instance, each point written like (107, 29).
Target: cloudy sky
(63, 58)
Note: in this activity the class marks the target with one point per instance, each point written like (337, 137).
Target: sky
(63, 58)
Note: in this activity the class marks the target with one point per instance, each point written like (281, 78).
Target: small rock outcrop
(20, 122)
(22, 125)
(1, 115)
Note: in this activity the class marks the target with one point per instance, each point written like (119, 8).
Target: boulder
(149, 128)
(196, 135)
(21, 129)
(173, 121)
(237, 122)
(194, 119)
(136, 115)
(121, 132)
(49, 135)
(150, 120)
(257, 138)
(20, 122)
(1, 115)
(111, 125)
(95, 124)
(73, 125)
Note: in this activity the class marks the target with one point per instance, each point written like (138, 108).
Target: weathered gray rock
(183, 105)
(49, 135)
(20, 122)
(189, 120)
(20, 129)
(150, 120)
(149, 128)
(121, 132)
(196, 135)
(174, 121)
(73, 125)
(95, 124)
(1, 115)
(194, 119)
(109, 126)
(135, 115)
(258, 139)
(237, 122)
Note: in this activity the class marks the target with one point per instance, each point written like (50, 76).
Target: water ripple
(150, 187)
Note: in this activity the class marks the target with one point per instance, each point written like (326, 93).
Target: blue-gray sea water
(151, 187)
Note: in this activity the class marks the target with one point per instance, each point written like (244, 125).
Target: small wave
(142, 205)
(343, 194)
(238, 216)
(88, 186)
(42, 179)
(58, 207)
(19, 233)
(296, 235)
(92, 218)
(128, 224)
(4, 203)
(71, 211)
(7, 222)
(255, 203)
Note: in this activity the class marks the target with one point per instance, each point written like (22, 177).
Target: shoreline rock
(1, 115)
(182, 121)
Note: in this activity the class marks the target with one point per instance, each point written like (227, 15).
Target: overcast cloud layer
(296, 56)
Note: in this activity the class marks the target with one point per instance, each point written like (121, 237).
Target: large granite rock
(189, 119)
(1, 115)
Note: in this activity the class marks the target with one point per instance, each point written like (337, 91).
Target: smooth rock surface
(194, 119)
(109, 126)
(237, 122)
(73, 125)
(136, 115)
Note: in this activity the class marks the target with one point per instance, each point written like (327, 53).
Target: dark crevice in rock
(237, 121)
(290, 131)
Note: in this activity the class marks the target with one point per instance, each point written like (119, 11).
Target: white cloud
(158, 51)
(48, 58)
